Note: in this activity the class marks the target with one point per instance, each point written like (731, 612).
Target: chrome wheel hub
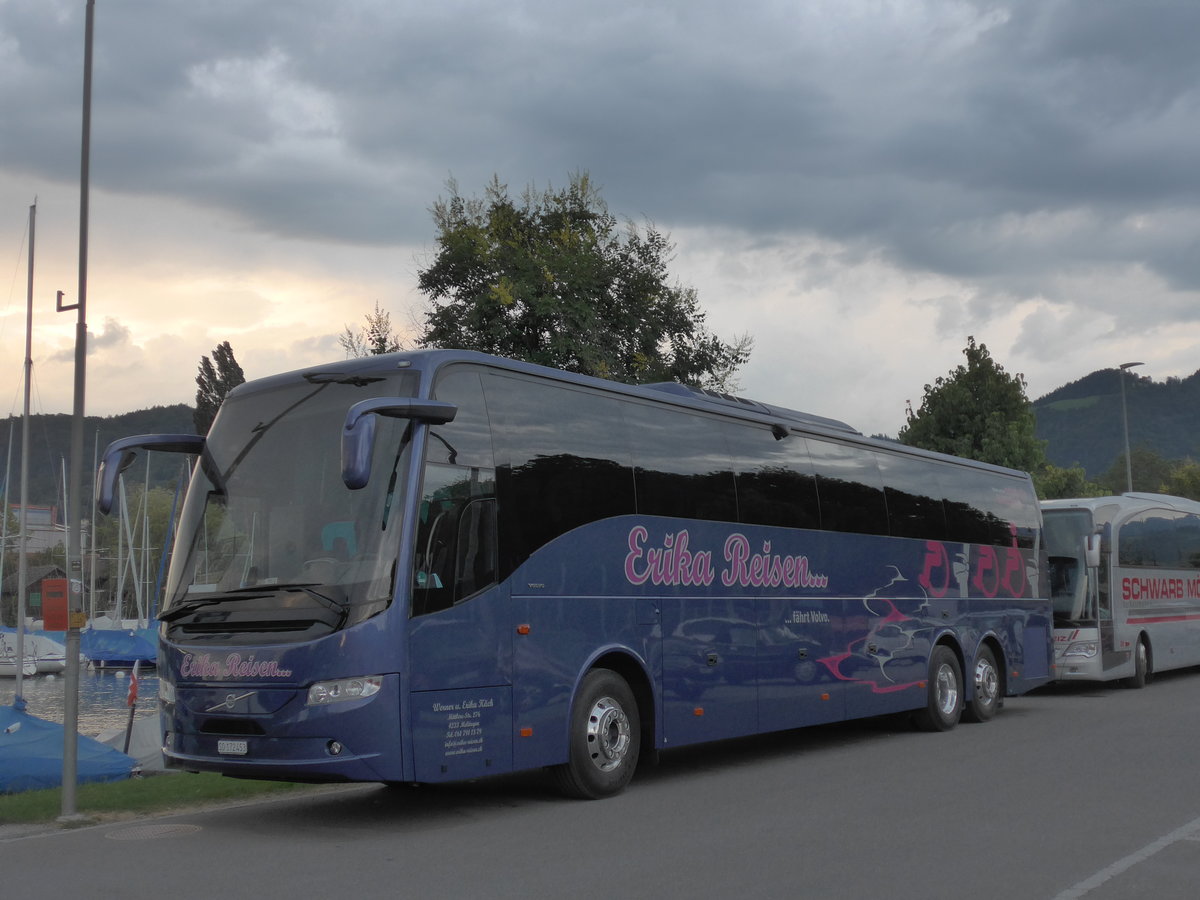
(947, 690)
(607, 734)
(987, 682)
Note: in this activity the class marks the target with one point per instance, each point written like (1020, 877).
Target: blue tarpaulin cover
(119, 646)
(31, 754)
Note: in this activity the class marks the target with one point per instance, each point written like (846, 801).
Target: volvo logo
(230, 702)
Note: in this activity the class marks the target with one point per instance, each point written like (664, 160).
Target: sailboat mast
(7, 499)
(92, 530)
(22, 532)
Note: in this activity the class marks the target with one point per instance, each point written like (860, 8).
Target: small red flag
(133, 685)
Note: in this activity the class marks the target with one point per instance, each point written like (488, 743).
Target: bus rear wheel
(604, 738)
(944, 704)
(986, 694)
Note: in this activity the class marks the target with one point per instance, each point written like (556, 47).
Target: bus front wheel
(1141, 665)
(944, 704)
(987, 689)
(605, 738)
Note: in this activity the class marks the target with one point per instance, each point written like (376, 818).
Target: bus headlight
(325, 692)
(166, 691)
(1082, 650)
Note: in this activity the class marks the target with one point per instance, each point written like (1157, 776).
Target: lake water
(102, 698)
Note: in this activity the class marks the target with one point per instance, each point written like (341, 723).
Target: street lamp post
(1125, 423)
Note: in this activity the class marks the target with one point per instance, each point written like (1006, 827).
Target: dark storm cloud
(1006, 143)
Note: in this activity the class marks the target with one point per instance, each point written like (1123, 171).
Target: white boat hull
(42, 656)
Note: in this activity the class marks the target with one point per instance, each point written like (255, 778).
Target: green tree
(1151, 473)
(1055, 483)
(373, 339)
(554, 280)
(218, 376)
(978, 411)
(1184, 480)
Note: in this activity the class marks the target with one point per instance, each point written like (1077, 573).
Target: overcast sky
(858, 185)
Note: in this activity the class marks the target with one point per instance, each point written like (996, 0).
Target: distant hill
(1081, 421)
(50, 444)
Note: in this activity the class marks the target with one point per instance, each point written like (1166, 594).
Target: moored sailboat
(40, 655)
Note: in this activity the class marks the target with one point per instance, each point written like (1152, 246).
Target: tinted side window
(563, 461)
(775, 481)
(1150, 539)
(455, 553)
(914, 497)
(849, 488)
(466, 441)
(988, 508)
(456, 550)
(1189, 541)
(681, 466)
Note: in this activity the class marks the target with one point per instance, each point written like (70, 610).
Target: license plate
(232, 748)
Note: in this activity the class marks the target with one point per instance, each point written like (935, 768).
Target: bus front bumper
(283, 739)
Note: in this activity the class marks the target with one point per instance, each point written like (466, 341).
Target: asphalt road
(1069, 793)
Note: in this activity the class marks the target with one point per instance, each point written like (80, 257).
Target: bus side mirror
(358, 435)
(119, 456)
(1091, 551)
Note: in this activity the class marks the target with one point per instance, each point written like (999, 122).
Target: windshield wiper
(338, 606)
(183, 607)
(254, 592)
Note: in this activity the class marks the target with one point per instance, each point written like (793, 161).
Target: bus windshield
(1066, 531)
(268, 515)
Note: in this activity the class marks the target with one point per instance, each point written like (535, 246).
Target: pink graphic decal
(937, 563)
(892, 638)
(1014, 566)
(987, 568)
(993, 571)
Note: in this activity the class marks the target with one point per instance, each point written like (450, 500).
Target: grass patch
(135, 797)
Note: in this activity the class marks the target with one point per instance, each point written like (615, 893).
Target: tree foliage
(553, 279)
(1151, 473)
(374, 338)
(217, 377)
(978, 411)
(1055, 483)
(1184, 480)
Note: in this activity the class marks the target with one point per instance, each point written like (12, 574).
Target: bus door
(1115, 646)
(460, 645)
(459, 635)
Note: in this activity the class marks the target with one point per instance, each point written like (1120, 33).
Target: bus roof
(427, 362)
(1122, 505)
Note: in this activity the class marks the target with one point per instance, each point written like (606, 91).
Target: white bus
(1125, 579)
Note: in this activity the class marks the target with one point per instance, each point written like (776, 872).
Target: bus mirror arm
(119, 456)
(358, 434)
(1091, 550)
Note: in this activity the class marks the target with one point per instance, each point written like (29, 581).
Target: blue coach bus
(442, 565)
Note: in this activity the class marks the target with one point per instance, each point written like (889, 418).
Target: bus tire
(986, 689)
(1141, 665)
(604, 738)
(944, 704)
